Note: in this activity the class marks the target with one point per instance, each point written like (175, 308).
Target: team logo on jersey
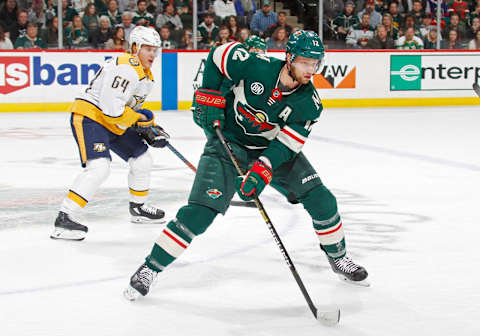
(99, 147)
(214, 193)
(254, 122)
(139, 99)
(257, 88)
(134, 61)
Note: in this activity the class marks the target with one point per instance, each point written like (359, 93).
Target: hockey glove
(155, 136)
(257, 177)
(149, 119)
(208, 106)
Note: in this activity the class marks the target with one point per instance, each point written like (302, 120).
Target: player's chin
(306, 79)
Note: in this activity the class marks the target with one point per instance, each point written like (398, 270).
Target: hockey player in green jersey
(267, 119)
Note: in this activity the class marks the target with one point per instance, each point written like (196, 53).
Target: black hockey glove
(155, 136)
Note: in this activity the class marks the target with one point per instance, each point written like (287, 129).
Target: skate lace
(146, 276)
(149, 209)
(346, 264)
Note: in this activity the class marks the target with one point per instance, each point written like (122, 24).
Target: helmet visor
(309, 65)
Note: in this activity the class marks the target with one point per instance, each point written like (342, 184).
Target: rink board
(50, 80)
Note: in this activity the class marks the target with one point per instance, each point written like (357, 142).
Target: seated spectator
(127, 24)
(409, 40)
(101, 5)
(263, 18)
(381, 40)
(50, 11)
(475, 27)
(68, 13)
(452, 41)
(8, 14)
(50, 35)
(102, 34)
(332, 8)
(475, 13)
(5, 42)
(417, 12)
(224, 8)
(375, 17)
(381, 6)
(30, 40)
(141, 16)
(185, 10)
(167, 41)
(460, 7)
(279, 39)
(457, 25)
(431, 7)
(223, 36)
(430, 41)
(342, 23)
(154, 7)
(387, 21)
(425, 25)
(186, 42)
(36, 14)
(19, 27)
(79, 5)
(117, 42)
(113, 13)
(359, 34)
(473, 44)
(90, 18)
(281, 22)
(232, 24)
(209, 31)
(245, 8)
(243, 35)
(170, 18)
(397, 18)
(410, 22)
(127, 6)
(77, 34)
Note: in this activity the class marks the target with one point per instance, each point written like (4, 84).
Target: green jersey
(258, 114)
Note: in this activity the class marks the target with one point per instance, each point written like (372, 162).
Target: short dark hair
(141, 1)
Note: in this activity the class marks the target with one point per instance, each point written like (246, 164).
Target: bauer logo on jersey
(99, 147)
(257, 88)
(214, 193)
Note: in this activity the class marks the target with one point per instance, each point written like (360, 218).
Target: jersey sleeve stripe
(294, 135)
(291, 139)
(220, 57)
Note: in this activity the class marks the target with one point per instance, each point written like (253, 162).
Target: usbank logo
(405, 72)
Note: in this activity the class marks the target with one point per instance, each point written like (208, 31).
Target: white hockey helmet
(141, 35)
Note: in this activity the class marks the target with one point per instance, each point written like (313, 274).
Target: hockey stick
(192, 167)
(331, 317)
(476, 88)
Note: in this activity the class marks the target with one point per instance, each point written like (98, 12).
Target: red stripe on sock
(175, 239)
(332, 231)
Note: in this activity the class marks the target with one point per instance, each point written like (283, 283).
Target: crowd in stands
(359, 24)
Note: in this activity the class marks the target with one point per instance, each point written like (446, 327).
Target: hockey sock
(139, 177)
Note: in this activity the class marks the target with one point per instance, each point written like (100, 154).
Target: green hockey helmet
(255, 42)
(305, 43)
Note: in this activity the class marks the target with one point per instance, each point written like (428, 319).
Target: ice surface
(407, 182)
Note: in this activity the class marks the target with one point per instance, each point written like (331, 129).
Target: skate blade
(64, 234)
(131, 293)
(143, 220)
(362, 283)
(329, 318)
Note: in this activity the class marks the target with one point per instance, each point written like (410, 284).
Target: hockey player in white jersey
(108, 115)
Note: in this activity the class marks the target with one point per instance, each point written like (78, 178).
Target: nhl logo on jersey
(214, 193)
(257, 88)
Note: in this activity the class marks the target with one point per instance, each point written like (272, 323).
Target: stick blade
(329, 318)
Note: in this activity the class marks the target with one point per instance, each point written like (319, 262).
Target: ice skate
(142, 213)
(140, 282)
(348, 271)
(68, 229)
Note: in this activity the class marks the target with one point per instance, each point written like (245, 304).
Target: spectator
(90, 18)
(263, 18)
(375, 17)
(342, 23)
(154, 7)
(452, 42)
(5, 42)
(8, 14)
(30, 40)
(396, 16)
(332, 8)
(425, 25)
(460, 7)
(50, 11)
(431, 7)
(281, 22)
(118, 41)
(19, 27)
(245, 8)
(127, 6)
(127, 24)
(223, 36)
(68, 13)
(244, 35)
(50, 35)
(409, 40)
(382, 40)
(474, 44)
(101, 5)
(232, 24)
(381, 7)
(185, 10)
(170, 18)
(392, 31)
(113, 13)
(186, 41)
(475, 13)
(102, 34)
(77, 34)
(359, 34)
(224, 8)
(208, 31)
(430, 41)
(141, 16)
(36, 14)
(167, 41)
(475, 27)
(456, 24)
(79, 5)
(279, 39)
(410, 22)
(417, 12)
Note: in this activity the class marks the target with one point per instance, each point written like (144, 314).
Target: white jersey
(116, 92)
